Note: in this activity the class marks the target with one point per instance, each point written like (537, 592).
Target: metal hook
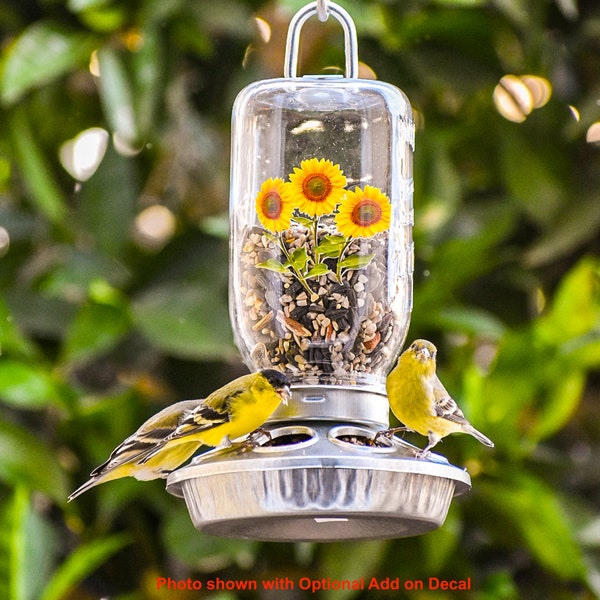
(323, 10)
(290, 66)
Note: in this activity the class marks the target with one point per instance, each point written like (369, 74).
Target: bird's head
(424, 351)
(279, 382)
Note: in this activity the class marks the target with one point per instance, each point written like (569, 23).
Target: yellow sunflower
(273, 205)
(317, 187)
(363, 213)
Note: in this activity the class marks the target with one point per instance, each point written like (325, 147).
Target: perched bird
(420, 401)
(169, 438)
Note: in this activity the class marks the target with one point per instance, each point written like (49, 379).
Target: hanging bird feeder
(321, 289)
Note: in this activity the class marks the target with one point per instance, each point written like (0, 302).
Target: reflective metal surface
(342, 404)
(318, 481)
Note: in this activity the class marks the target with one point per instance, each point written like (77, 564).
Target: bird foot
(422, 454)
(386, 433)
(225, 443)
(253, 439)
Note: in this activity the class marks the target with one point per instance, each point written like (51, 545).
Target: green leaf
(96, 329)
(117, 95)
(337, 240)
(470, 320)
(304, 221)
(186, 320)
(77, 271)
(575, 308)
(441, 544)
(366, 557)
(270, 236)
(560, 403)
(453, 263)
(318, 270)
(356, 261)
(99, 15)
(193, 548)
(512, 389)
(28, 548)
(331, 246)
(11, 339)
(42, 53)
(577, 223)
(82, 562)
(272, 265)
(533, 176)
(41, 315)
(532, 510)
(299, 258)
(107, 202)
(26, 386)
(149, 68)
(584, 350)
(35, 169)
(26, 460)
(499, 585)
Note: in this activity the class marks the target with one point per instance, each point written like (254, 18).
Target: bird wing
(146, 438)
(213, 412)
(444, 405)
(203, 418)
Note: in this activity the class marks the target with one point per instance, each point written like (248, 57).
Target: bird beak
(285, 394)
(424, 354)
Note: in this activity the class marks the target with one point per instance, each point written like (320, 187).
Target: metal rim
(334, 435)
(281, 432)
(381, 462)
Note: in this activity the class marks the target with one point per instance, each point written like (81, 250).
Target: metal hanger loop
(290, 67)
(323, 10)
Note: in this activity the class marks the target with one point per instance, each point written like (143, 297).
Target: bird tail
(479, 436)
(96, 479)
(90, 483)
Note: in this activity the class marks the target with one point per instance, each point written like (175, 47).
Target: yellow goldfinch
(169, 438)
(420, 401)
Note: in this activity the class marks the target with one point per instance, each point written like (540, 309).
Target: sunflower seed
(339, 332)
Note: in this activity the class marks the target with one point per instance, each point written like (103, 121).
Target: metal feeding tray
(314, 479)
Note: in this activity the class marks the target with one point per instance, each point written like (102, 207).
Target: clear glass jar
(321, 227)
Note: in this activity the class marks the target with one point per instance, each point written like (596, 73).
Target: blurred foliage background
(114, 150)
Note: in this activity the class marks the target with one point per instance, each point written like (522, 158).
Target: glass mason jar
(321, 226)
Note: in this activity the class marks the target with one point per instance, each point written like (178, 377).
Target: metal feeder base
(318, 481)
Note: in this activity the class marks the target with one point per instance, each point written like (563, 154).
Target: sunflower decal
(315, 199)
(317, 187)
(273, 205)
(363, 213)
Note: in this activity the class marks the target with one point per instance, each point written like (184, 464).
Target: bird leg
(225, 443)
(387, 433)
(433, 440)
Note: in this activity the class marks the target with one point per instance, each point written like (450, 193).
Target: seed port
(366, 440)
(288, 438)
(360, 438)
